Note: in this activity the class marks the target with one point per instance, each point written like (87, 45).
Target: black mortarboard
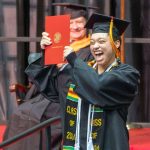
(74, 10)
(101, 23)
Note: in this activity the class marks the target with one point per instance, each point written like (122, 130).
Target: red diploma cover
(58, 28)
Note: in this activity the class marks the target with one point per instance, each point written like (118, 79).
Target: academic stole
(95, 126)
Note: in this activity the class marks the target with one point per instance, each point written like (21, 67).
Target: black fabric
(71, 57)
(65, 76)
(115, 101)
(125, 77)
(114, 91)
(52, 82)
(61, 79)
(36, 72)
(104, 28)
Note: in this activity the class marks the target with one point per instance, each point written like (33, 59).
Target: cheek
(91, 49)
(83, 31)
(108, 47)
(110, 53)
(81, 25)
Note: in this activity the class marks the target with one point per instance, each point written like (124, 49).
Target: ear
(117, 43)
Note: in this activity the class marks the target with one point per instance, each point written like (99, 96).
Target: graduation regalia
(96, 106)
(112, 91)
(60, 80)
(100, 94)
(53, 83)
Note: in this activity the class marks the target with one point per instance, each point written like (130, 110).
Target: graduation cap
(107, 24)
(75, 10)
(101, 23)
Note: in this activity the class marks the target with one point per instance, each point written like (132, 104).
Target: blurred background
(21, 25)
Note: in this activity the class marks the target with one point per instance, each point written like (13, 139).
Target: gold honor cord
(116, 50)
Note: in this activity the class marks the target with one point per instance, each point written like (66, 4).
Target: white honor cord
(88, 125)
(89, 132)
(77, 136)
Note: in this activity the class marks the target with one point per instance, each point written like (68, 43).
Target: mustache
(78, 29)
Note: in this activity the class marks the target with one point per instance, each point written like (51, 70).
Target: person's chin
(76, 36)
(99, 61)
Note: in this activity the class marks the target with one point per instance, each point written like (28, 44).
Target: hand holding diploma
(46, 40)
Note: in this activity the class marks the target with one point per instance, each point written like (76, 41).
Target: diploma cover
(58, 28)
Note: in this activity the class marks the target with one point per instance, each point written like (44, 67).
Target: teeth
(98, 53)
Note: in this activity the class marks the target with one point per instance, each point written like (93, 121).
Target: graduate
(101, 91)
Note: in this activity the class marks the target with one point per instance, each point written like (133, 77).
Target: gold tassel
(116, 50)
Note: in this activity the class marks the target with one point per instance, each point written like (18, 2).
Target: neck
(102, 69)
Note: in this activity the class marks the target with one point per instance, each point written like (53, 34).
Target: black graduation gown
(65, 76)
(113, 91)
(54, 83)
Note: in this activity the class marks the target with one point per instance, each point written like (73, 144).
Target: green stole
(95, 126)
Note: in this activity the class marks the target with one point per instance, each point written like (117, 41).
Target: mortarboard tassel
(116, 50)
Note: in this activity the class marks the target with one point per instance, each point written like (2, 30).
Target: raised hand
(67, 51)
(45, 41)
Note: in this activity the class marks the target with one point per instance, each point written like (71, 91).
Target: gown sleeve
(115, 88)
(45, 78)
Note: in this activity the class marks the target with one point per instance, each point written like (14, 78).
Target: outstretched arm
(110, 89)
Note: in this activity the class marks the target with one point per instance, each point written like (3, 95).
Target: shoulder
(126, 72)
(127, 67)
(84, 54)
(85, 50)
